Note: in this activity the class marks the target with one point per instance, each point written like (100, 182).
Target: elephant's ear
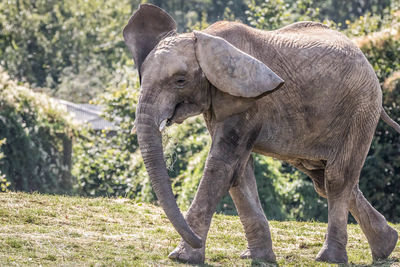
(147, 26)
(232, 70)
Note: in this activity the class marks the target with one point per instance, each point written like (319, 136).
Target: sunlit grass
(70, 231)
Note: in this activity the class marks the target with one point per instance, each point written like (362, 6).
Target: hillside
(71, 231)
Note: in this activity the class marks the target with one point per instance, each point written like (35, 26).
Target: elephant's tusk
(162, 125)
(133, 131)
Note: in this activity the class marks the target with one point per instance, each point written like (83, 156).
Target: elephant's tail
(385, 117)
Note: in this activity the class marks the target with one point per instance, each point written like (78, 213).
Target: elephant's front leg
(226, 161)
(213, 186)
(244, 194)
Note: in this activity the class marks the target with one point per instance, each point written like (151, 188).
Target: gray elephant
(304, 94)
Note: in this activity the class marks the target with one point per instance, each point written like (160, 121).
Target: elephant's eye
(180, 82)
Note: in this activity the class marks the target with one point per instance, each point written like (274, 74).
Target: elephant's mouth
(183, 110)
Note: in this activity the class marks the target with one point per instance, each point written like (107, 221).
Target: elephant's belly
(308, 156)
(308, 163)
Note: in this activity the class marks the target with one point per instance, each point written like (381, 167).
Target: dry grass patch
(71, 231)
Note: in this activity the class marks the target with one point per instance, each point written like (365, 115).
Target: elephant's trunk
(151, 148)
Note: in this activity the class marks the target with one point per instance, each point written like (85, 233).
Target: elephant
(304, 94)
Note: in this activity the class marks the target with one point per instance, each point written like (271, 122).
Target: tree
(48, 43)
(35, 129)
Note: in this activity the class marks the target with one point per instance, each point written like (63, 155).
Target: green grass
(71, 231)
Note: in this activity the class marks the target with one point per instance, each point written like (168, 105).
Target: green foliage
(368, 15)
(374, 25)
(194, 24)
(51, 43)
(363, 25)
(272, 14)
(382, 51)
(342, 10)
(103, 161)
(294, 192)
(35, 129)
(4, 184)
(191, 12)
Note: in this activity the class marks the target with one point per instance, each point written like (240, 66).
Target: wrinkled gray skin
(321, 120)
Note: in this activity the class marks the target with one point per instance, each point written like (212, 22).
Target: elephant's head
(177, 72)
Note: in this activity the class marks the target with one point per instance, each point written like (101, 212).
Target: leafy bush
(272, 14)
(341, 11)
(194, 12)
(103, 161)
(51, 42)
(382, 50)
(36, 130)
(4, 184)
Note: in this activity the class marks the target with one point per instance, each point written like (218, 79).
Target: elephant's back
(319, 61)
(315, 36)
(329, 88)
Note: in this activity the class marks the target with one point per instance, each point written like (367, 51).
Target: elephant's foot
(259, 254)
(185, 253)
(384, 244)
(333, 254)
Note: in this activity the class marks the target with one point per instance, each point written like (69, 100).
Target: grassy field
(71, 231)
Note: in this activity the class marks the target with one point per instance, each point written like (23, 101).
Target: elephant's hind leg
(247, 202)
(339, 182)
(381, 237)
(341, 176)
